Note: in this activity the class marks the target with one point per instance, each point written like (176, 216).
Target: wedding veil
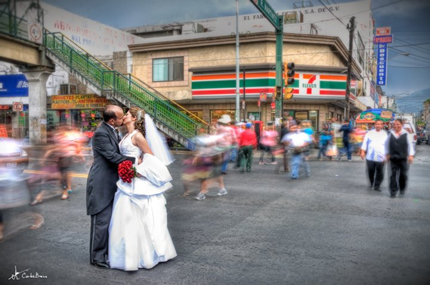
(157, 142)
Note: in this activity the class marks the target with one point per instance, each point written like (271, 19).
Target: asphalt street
(329, 228)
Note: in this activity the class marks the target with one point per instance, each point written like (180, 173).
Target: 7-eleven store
(208, 88)
(318, 96)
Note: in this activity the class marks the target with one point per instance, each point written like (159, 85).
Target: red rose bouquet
(126, 171)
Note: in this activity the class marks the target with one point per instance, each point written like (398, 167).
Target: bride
(138, 233)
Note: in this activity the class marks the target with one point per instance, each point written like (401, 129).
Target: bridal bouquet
(126, 171)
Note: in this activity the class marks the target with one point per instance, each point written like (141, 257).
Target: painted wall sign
(13, 85)
(78, 102)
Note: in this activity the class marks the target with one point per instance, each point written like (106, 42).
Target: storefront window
(254, 116)
(198, 113)
(313, 116)
(216, 114)
(301, 115)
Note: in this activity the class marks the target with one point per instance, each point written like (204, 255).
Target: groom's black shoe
(103, 265)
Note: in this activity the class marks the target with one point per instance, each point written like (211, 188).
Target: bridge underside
(22, 53)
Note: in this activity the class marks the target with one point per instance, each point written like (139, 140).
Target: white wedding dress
(138, 233)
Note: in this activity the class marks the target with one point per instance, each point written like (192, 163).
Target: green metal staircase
(169, 117)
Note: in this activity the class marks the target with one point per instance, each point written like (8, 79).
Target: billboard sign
(383, 31)
(381, 73)
(383, 39)
(13, 85)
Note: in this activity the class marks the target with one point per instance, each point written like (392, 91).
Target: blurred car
(421, 137)
(12, 157)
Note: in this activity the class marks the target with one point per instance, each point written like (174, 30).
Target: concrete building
(200, 75)
(201, 62)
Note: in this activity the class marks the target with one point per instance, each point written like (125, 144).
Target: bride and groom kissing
(129, 220)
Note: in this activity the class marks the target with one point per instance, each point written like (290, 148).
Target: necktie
(118, 138)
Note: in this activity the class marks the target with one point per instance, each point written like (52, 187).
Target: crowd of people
(237, 142)
(129, 220)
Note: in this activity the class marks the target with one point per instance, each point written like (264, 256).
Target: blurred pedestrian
(248, 142)
(400, 152)
(346, 129)
(227, 141)
(324, 140)
(268, 141)
(283, 149)
(373, 148)
(297, 141)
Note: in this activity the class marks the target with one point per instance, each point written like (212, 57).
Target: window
(168, 69)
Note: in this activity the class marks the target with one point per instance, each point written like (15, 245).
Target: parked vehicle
(12, 157)
(421, 135)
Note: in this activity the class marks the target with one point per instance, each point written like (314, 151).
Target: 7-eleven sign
(309, 84)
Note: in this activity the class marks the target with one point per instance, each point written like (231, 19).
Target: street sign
(263, 97)
(268, 12)
(17, 106)
(383, 31)
(381, 73)
(383, 39)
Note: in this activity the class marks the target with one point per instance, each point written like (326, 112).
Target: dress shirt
(374, 145)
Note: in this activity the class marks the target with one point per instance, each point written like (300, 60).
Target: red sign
(263, 97)
(258, 103)
(4, 107)
(17, 106)
(383, 31)
(383, 39)
(273, 105)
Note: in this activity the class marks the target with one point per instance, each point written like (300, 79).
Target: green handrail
(110, 80)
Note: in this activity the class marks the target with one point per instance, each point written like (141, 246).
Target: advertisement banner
(13, 85)
(78, 102)
(382, 65)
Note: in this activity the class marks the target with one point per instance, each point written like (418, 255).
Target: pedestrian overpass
(55, 48)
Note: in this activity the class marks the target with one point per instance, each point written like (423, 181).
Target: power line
(331, 12)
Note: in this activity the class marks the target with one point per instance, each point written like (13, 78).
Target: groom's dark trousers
(101, 188)
(99, 235)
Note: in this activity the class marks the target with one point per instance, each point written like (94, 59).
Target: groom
(101, 184)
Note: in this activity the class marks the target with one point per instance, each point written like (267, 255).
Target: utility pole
(237, 116)
(351, 28)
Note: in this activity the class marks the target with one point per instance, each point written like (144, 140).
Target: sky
(408, 55)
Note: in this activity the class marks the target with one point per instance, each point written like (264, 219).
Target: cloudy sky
(408, 57)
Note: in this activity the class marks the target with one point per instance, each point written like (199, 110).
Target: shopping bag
(331, 150)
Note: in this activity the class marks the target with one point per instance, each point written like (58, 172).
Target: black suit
(101, 188)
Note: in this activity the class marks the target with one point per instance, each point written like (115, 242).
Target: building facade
(200, 75)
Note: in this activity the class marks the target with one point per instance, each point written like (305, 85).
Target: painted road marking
(75, 175)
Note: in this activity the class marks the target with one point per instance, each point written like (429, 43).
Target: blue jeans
(233, 154)
(323, 148)
(226, 160)
(296, 161)
(346, 149)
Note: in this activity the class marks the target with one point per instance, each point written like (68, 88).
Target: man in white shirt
(400, 151)
(297, 142)
(373, 148)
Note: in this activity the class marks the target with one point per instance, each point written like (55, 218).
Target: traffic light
(289, 73)
(275, 94)
(288, 93)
